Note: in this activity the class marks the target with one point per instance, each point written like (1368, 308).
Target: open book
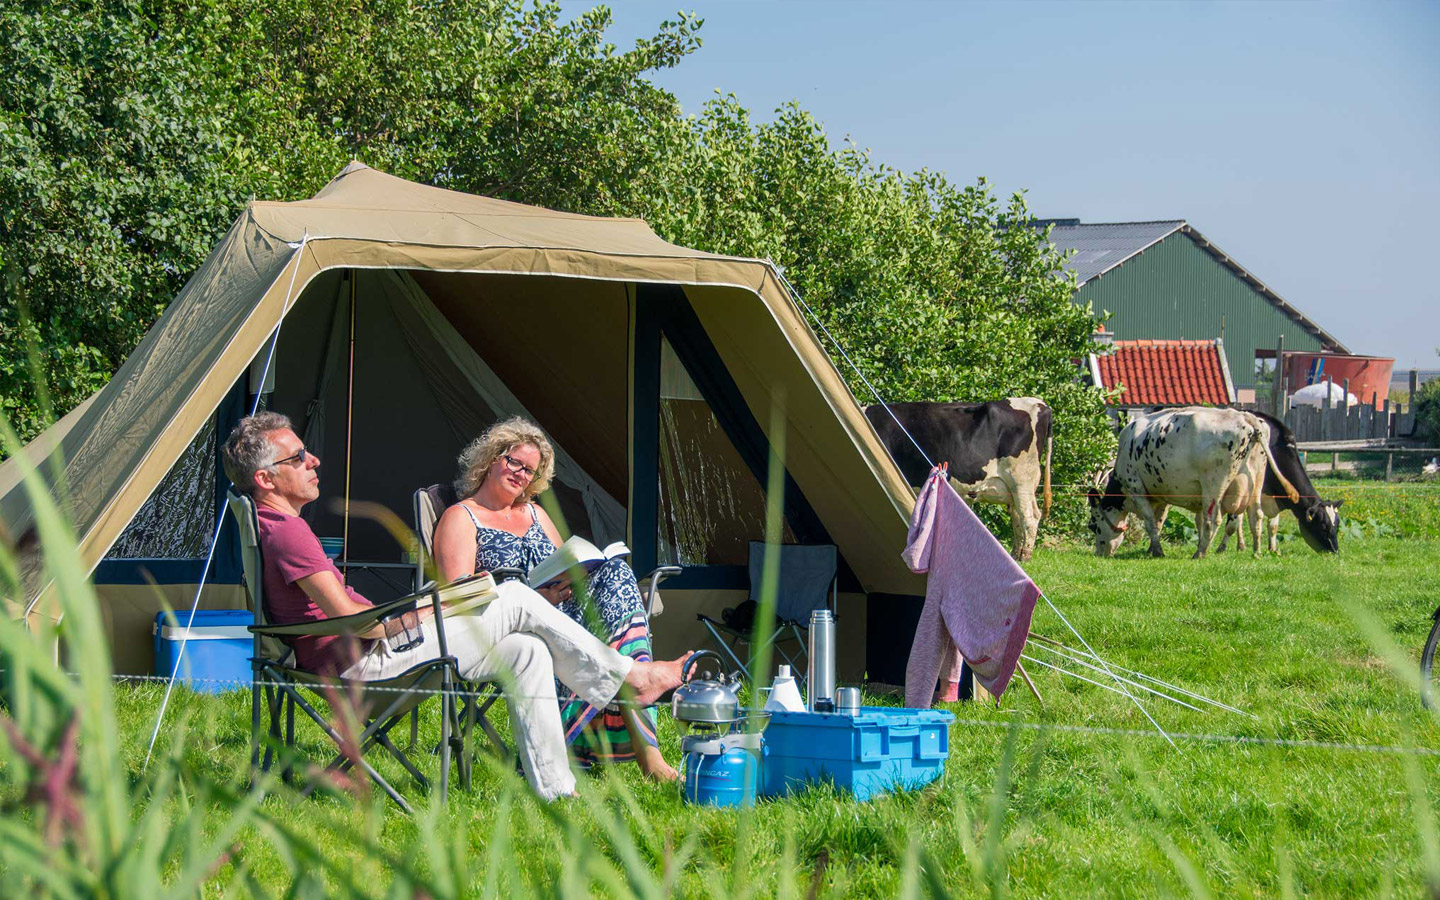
(575, 552)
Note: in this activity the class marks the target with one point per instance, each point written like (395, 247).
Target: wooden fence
(1377, 421)
(1354, 423)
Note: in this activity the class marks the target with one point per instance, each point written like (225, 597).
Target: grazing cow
(993, 449)
(1319, 519)
(1209, 461)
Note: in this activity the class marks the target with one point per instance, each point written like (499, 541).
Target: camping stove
(724, 746)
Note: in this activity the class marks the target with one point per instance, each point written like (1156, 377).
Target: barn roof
(1166, 373)
(1100, 247)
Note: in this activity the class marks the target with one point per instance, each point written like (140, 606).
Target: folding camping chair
(380, 705)
(808, 581)
(430, 503)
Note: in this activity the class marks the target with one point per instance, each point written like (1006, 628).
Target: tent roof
(119, 446)
(362, 203)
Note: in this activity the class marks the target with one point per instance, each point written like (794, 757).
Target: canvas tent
(392, 321)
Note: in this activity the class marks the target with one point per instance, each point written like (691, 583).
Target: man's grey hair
(248, 449)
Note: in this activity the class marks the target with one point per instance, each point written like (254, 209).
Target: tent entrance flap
(421, 393)
(710, 451)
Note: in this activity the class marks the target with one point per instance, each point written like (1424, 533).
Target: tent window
(711, 504)
(178, 519)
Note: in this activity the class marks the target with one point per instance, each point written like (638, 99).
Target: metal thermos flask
(820, 675)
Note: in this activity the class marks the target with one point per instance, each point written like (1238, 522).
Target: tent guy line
(1051, 647)
(220, 522)
(1040, 662)
(840, 348)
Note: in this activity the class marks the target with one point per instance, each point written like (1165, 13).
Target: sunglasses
(297, 458)
(518, 467)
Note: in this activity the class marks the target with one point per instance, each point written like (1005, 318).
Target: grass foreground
(1080, 797)
(1326, 785)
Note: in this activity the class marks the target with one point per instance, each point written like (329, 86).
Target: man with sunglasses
(519, 638)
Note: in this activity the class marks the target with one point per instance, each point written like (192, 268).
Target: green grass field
(1316, 649)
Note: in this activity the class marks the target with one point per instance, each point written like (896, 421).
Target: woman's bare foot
(653, 765)
(651, 679)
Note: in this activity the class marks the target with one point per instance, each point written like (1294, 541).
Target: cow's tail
(1262, 431)
(1049, 445)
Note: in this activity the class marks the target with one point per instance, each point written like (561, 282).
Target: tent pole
(349, 422)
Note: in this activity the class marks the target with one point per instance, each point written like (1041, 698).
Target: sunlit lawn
(1299, 642)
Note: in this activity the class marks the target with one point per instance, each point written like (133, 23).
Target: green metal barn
(1165, 280)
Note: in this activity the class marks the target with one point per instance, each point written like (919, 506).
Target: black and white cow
(1319, 519)
(1212, 462)
(994, 451)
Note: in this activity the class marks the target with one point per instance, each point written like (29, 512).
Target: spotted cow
(1210, 461)
(994, 451)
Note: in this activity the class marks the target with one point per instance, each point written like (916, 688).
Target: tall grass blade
(1428, 831)
(763, 631)
(1189, 874)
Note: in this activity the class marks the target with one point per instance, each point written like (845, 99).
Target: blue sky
(1302, 138)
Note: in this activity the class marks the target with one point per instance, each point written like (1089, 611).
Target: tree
(1426, 404)
(136, 131)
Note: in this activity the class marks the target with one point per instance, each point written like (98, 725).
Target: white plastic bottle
(785, 693)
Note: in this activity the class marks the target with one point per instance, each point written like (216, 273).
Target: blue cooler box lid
(211, 624)
(830, 735)
(868, 715)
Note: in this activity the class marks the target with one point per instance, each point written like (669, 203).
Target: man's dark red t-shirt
(291, 552)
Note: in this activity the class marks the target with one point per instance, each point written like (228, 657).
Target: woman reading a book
(498, 525)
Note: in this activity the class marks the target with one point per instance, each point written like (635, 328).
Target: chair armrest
(663, 572)
(339, 625)
(509, 574)
(652, 593)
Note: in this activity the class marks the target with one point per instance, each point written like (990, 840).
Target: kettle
(722, 755)
(714, 703)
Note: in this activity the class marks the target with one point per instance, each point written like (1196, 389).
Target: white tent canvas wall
(410, 317)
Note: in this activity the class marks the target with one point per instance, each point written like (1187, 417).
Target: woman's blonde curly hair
(498, 440)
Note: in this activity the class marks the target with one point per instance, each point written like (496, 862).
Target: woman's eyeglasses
(297, 458)
(517, 467)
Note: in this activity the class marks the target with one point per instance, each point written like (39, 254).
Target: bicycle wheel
(1427, 661)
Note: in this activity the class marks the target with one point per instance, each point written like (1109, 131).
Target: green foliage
(1411, 509)
(1179, 528)
(111, 192)
(1356, 529)
(1427, 411)
(135, 131)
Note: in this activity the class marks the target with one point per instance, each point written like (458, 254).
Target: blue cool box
(877, 750)
(218, 648)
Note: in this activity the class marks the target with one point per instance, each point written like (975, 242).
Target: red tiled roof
(1166, 373)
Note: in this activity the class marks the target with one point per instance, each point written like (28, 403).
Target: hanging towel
(978, 601)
